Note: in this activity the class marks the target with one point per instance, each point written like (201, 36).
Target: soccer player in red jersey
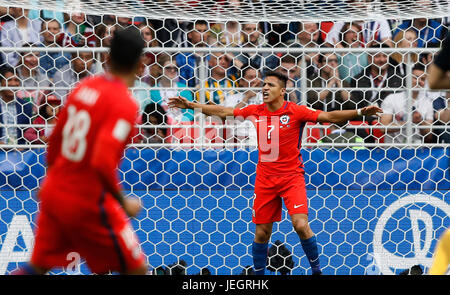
(83, 210)
(279, 172)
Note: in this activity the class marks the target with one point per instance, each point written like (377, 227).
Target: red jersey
(89, 139)
(279, 135)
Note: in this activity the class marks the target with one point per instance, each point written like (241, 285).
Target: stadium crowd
(334, 81)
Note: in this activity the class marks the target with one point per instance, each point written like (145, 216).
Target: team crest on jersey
(284, 119)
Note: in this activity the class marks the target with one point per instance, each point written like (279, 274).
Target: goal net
(378, 188)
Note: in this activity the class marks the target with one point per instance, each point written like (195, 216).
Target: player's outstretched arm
(207, 109)
(346, 115)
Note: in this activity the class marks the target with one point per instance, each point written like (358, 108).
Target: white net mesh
(377, 188)
(250, 10)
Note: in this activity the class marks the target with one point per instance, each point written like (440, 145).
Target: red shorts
(103, 236)
(270, 190)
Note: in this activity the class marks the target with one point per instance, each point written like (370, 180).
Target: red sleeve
(245, 112)
(306, 114)
(113, 136)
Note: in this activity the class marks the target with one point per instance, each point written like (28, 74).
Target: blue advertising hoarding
(373, 210)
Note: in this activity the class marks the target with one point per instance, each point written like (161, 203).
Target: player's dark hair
(281, 77)
(126, 49)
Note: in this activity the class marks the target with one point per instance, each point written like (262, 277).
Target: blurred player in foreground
(82, 209)
(279, 172)
(439, 79)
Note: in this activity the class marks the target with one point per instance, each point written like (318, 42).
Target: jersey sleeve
(113, 136)
(306, 114)
(245, 112)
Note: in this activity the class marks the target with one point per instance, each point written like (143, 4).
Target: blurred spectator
(404, 39)
(170, 79)
(17, 32)
(154, 115)
(351, 63)
(104, 33)
(81, 66)
(230, 33)
(251, 37)
(189, 61)
(376, 31)
(78, 32)
(250, 78)
(150, 71)
(51, 36)
(48, 110)
(4, 14)
(378, 75)
(328, 99)
(141, 89)
(13, 110)
(289, 67)
(428, 30)
(32, 77)
(123, 21)
(169, 32)
(308, 35)
(441, 108)
(395, 111)
(219, 64)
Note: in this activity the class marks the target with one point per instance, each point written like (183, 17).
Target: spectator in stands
(251, 37)
(395, 111)
(404, 39)
(50, 62)
(219, 65)
(441, 108)
(78, 31)
(289, 67)
(32, 77)
(428, 30)
(250, 78)
(13, 110)
(17, 32)
(373, 32)
(48, 110)
(379, 74)
(308, 36)
(151, 68)
(351, 63)
(124, 21)
(170, 79)
(328, 99)
(104, 33)
(81, 65)
(154, 115)
(189, 61)
(230, 33)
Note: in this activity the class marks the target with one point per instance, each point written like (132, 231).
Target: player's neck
(128, 78)
(275, 105)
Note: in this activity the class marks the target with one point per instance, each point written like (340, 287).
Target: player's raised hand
(371, 111)
(178, 102)
(132, 206)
